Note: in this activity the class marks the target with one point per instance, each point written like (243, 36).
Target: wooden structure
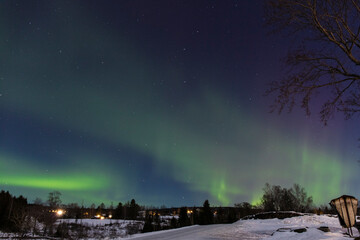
(346, 207)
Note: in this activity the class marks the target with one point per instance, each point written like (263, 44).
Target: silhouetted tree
(173, 223)
(148, 226)
(19, 216)
(36, 212)
(98, 210)
(38, 201)
(119, 212)
(276, 198)
(326, 58)
(206, 215)
(92, 210)
(54, 199)
(73, 211)
(271, 198)
(48, 219)
(194, 216)
(287, 201)
(133, 210)
(102, 206)
(303, 203)
(5, 208)
(244, 208)
(62, 231)
(13, 213)
(183, 217)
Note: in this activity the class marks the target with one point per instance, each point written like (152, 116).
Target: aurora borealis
(159, 101)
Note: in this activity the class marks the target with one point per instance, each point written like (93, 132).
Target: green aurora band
(16, 171)
(15, 174)
(225, 169)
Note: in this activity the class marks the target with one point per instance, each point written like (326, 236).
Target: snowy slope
(283, 229)
(258, 229)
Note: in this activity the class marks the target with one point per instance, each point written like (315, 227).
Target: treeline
(16, 215)
(129, 210)
(187, 216)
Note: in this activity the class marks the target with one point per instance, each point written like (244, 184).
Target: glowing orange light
(59, 212)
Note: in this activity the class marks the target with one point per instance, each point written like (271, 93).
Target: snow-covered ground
(86, 229)
(284, 229)
(272, 229)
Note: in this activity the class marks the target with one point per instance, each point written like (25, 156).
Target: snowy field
(272, 229)
(88, 229)
(97, 222)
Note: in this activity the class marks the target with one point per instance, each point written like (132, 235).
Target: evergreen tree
(206, 215)
(98, 210)
(102, 206)
(183, 217)
(148, 226)
(194, 216)
(133, 210)
(119, 211)
(92, 210)
(173, 223)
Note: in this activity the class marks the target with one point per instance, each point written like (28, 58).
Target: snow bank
(284, 229)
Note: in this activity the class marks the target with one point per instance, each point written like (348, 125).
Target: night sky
(161, 101)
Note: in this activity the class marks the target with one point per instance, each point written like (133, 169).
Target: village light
(59, 212)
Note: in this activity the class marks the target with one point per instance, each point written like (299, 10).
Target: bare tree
(36, 212)
(54, 199)
(38, 201)
(21, 220)
(48, 219)
(326, 58)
